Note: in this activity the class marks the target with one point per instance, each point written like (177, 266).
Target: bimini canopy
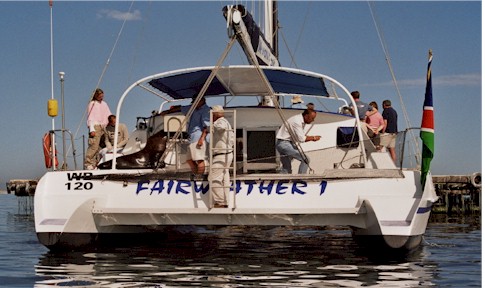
(241, 81)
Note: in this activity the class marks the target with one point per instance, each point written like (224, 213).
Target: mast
(258, 46)
(275, 30)
(271, 25)
(268, 22)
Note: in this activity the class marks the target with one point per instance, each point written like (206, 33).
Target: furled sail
(248, 28)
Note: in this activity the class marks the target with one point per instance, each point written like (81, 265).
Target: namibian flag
(427, 126)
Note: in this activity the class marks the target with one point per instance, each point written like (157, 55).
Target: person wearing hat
(222, 156)
(198, 133)
(297, 102)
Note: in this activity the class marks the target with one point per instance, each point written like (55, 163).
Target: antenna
(64, 152)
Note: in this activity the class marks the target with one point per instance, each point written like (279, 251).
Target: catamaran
(350, 183)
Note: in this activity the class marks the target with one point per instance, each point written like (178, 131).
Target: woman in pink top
(98, 113)
(375, 124)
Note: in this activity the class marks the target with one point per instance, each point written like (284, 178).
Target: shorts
(197, 154)
(388, 140)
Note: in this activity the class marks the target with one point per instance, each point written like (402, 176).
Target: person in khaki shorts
(388, 138)
(198, 134)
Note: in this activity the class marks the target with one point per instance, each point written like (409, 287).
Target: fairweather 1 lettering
(248, 187)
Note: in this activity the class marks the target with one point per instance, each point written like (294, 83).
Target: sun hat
(217, 108)
(296, 99)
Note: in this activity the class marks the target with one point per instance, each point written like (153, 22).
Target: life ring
(47, 145)
(476, 179)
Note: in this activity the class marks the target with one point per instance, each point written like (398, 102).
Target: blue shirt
(362, 107)
(199, 120)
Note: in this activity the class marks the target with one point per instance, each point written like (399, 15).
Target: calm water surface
(241, 257)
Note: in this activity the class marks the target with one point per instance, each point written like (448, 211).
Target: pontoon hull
(84, 205)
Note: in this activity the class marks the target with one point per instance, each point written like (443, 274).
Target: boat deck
(331, 174)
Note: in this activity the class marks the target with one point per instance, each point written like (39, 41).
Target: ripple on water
(242, 257)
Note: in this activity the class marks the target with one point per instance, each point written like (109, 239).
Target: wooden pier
(459, 194)
(22, 187)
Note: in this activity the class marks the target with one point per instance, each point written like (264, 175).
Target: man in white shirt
(285, 145)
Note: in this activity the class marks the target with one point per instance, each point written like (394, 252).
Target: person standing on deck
(388, 138)
(285, 145)
(223, 138)
(98, 112)
(363, 109)
(375, 125)
(198, 134)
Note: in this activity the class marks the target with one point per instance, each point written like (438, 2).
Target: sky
(115, 43)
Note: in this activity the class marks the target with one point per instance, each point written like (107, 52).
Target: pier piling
(459, 194)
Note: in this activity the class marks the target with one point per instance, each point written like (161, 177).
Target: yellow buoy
(52, 107)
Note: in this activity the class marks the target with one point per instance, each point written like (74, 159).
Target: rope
(101, 76)
(197, 100)
(301, 30)
(388, 60)
(293, 62)
(345, 158)
(292, 55)
(271, 93)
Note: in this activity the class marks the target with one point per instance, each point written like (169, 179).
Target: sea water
(450, 256)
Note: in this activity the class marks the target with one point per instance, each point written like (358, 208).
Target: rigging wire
(394, 80)
(298, 41)
(293, 62)
(103, 72)
(140, 41)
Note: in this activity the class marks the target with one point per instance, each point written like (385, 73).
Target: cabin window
(260, 150)
(347, 137)
(239, 145)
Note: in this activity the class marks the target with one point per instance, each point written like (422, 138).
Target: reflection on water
(242, 257)
(239, 257)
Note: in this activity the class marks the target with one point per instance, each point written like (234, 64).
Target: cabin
(255, 150)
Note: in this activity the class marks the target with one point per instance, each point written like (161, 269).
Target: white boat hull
(96, 203)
